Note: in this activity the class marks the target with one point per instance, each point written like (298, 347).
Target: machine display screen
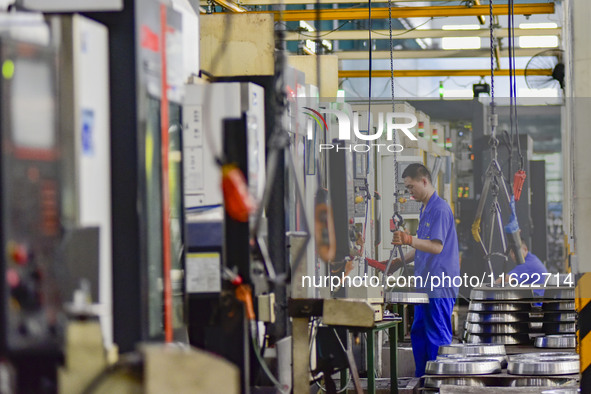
(33, 113)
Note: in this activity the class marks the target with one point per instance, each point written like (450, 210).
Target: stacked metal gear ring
(499, 315)
(464, 362)
(463, 366)
(559, 319)
(557, 342)
(472, 350)
(502, 359)
(544, 364)
(437, 382)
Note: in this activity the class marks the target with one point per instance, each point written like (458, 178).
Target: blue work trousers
(431, 328)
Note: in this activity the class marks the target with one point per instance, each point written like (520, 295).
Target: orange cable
(164, 120)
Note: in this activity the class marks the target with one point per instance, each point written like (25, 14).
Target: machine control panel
(30, 235)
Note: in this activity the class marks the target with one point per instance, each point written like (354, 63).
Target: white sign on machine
(71, 5)
(206, 107)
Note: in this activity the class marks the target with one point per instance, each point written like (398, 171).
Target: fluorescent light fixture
(546, 25)
(460, 27)
(461, 42)
(460, 93)
(538, 41)
(548, 92)
(306, 25)
(311, 45)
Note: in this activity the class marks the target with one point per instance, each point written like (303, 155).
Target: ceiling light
(460, 27)
(461, 42)
(306, 26)
(538, 41)
(548, 25)
(548, 92)
(459, 93)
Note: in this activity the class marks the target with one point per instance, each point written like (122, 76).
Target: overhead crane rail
(204, 3)
(436, 73)
(415, 34)
(406, 12)
(433, 53)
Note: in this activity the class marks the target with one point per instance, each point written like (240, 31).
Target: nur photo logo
(349, 128)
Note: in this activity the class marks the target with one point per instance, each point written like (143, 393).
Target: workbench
(352, 315)
(391, 326)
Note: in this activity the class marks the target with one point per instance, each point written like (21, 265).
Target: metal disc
(563, 390)
(472, 349)
(556, 342)
(512, 328)
(395, 297)
(543, 367)
(514, 339)
(548, 356)
(559, 328)
(496, 307)
(543, 382)
(498, 317)
(501, 358)
(501, 293)
(560, 293)
(559, 306)
(463, 366)
(561, 317)
(435, 382)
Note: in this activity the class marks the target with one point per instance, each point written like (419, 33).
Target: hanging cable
(394, 134)
(406, 31)
(317, 34)
(496, 184)
(391, 52)
(397, 220)
(370, 68)
(511, 95)
(318, 24)
(521, 161)
(492, 59)
(519, 177)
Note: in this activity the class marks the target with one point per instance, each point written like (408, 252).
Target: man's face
(512, 252)
(416, 187)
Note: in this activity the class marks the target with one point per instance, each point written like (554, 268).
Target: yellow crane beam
(480, 17)
(433, 53)
(437, 73)
(407, 12)
(415, 34)
(294, 2)
(230, 5)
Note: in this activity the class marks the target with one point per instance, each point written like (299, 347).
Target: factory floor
(408, 384)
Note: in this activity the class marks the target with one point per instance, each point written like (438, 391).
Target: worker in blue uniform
(530, 272)
(435, 253)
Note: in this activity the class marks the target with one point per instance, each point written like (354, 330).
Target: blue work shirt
(436, 222)
(524, 273)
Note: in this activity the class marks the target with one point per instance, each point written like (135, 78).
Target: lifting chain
(397, 193)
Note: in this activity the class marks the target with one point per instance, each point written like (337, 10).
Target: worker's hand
(349, 267)
(401, 238)
(381, 265)
(355, 252)
(359, 240)
(395, 266)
